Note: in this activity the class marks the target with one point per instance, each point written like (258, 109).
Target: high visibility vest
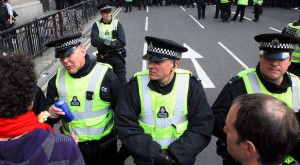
(164, 117)
(242, 2)
(294, 30)
(93, 118)
(224, 1)
(257, 2)
(105, 30)
(254, 85)
(290, 97)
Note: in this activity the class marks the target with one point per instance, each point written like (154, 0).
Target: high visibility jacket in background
(257, 2)
(93, 116)
(242, 2)
(164, 117)
(294, 30)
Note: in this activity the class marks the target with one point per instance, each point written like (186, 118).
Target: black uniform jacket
(110, 85)
(234, 88)
(98, 42)
(142, 147)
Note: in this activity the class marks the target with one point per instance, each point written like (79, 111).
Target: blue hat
(65, 45)
(162, 49)
(276, 45)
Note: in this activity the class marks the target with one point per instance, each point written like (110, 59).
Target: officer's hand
(114, 45)
(74, 137)
(163, 158)
(55, 112)
(107, 42)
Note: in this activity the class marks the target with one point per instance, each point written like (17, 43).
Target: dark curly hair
(17, 84)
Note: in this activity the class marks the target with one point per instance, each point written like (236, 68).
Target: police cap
(162, 49)
(276, 45)
(65, 45)
(105, 7)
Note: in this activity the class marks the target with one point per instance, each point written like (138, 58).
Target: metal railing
(32, 36)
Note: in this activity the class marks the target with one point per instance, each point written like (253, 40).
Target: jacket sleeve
(221, 106)
(140, 145)
(121, 39)
(198, 134)
(110, 88)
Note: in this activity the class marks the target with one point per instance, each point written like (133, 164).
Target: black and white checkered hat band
(66, 45)
(276, 46)
(166, 52)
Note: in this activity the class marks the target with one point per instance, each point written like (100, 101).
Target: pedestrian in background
(23, 138)
(168, 100)
(260, 129)
(225, 10)
(270, 77)
(128, 5)
(108, 37)
(201, 8)
(91, 91)
(257, 9)
(240, 9)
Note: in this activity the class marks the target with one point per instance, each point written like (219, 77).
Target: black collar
(154, 85)
(101, 21)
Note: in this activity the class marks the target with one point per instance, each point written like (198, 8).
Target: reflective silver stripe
(295, 90)
(178, 111)
(166, 141)
(90, 131)
(62, 82)
(254, 83)
(163, 123)
(148, 111)
(90, 114)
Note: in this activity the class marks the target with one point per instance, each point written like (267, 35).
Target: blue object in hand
(60, 103)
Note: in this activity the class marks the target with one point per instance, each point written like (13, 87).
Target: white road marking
(146, 24)
(197, 22)
(182, 8)
(244, 16)
(144, 67)
(192, 54)
(234, 56)
(275, 29)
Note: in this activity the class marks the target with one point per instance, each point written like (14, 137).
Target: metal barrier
(32, 36)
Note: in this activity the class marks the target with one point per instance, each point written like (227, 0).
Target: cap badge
(275, 42)
(150, 46)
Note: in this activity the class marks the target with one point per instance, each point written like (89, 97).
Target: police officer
(165, 117)
(240, 9)
(108, 37)
(201, 8)
(91, 91)
(293, 29)
(257, 9)
(270, 77)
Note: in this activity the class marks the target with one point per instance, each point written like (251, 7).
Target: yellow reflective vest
(93, 116)
(254, 85)
(164, 117)
(105, 30)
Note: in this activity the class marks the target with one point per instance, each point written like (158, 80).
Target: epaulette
(234, 80)
(197, 79)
